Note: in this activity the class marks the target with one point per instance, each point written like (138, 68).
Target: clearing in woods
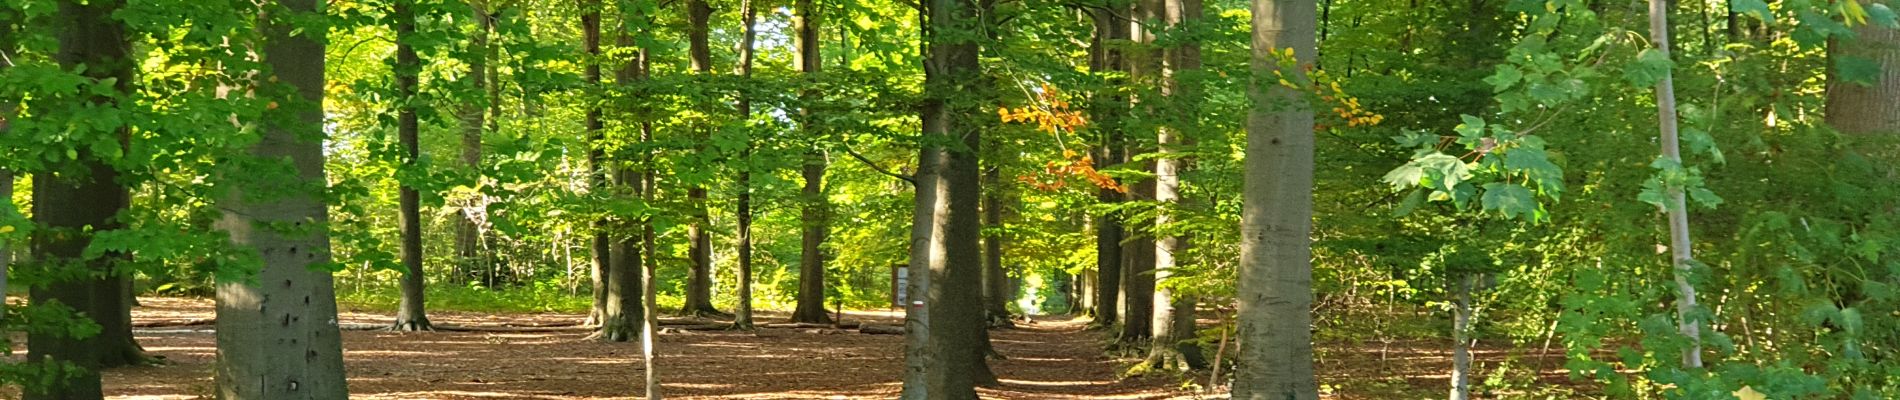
(1046, 359)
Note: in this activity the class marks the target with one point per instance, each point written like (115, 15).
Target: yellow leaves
(1749, 393)
(1054, 116)
(6, 229)
(1852, 13)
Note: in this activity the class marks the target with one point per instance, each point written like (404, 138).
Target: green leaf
(1880, 14)
(1857, 70)
(1411, 202)
(1505, 76)
(1509, 199)
(1755, 8)
(1650, 66)
(1405, 176)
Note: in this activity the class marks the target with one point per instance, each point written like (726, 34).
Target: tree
(620, 318)
(945, 330)
(1865, 108)
(1276, 271)
(80, 198)
(1174, 330)
(277, 336)
(1107, 109)
(597, 168)
(742, 319)
(471, 260)
(1138, 248)
(996, 293)
(410, 312)
(811, 259)
(699, 283)
(1675, 204)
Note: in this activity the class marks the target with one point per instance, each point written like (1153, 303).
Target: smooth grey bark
(1461, 340)
(411, 314)
(1862, 110)
(946, 336)
(1677, 207)
(1143, 61)
(66, 203)
(277, 334)
(699, 281)
(1275, 287)
(649, 277)
(814, 205)
(1174, 345)
(742, 317)
(1107, 109)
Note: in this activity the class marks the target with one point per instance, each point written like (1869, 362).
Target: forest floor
(1046, 359)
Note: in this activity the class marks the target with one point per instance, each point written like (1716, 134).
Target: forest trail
(1047, 359)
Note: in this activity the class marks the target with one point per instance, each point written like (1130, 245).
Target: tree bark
(815, 206)
(944, 354)
(277, 335)
(470, 262)
(1865, 110)
(410, 312)
(601, 249)
(649, 278)
(66, 204)
(1677, 209)
(620, 320)
(1107, 108)
(742, 319)
(1461, 340)
(996, 294)
(1175, 347)
(1275, 288)
(700, 282)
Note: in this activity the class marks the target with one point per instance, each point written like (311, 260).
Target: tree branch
(874, 167)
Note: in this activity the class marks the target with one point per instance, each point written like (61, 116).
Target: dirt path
(1047, 360)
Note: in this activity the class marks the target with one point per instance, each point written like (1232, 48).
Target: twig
(874, 167)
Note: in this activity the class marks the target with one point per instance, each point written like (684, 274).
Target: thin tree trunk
(69, 204)
(620, 318)
(649, 278)
(410, 312)
(742, 319)
(945, 352)
(1461, 341)
(1107, 108)
(1677, 208)
(700, 282)
(814, 205)
(1275, 287)
(277, 338)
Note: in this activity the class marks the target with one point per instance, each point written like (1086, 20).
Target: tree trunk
(1865, 110)
(70, 203)
(277, 336)
(1677, 209)
(1107, 109)
(996, 294)
(815, 206)
(1175, 348)
(649, 278)
(742, 319)
(699, 285)
(597, 170)
(944, 357)
(470, 262)
(1275, 288)
(410, 312)
(620, 320)
(1461, 340)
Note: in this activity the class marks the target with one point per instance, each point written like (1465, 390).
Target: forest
(949, 199)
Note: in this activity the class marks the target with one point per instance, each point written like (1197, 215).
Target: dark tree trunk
(410, 312)
(288, 348)
(1108, 109)
(699, 285)
(78, 194)
(996, 293)
(945, 358)
(742, 319)
(1143, 63)
(602, 246)
(622, 317)
(811, 259)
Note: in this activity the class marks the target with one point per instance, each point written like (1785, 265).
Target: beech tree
(277, 331)
(814, 205)
(1276, 271)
